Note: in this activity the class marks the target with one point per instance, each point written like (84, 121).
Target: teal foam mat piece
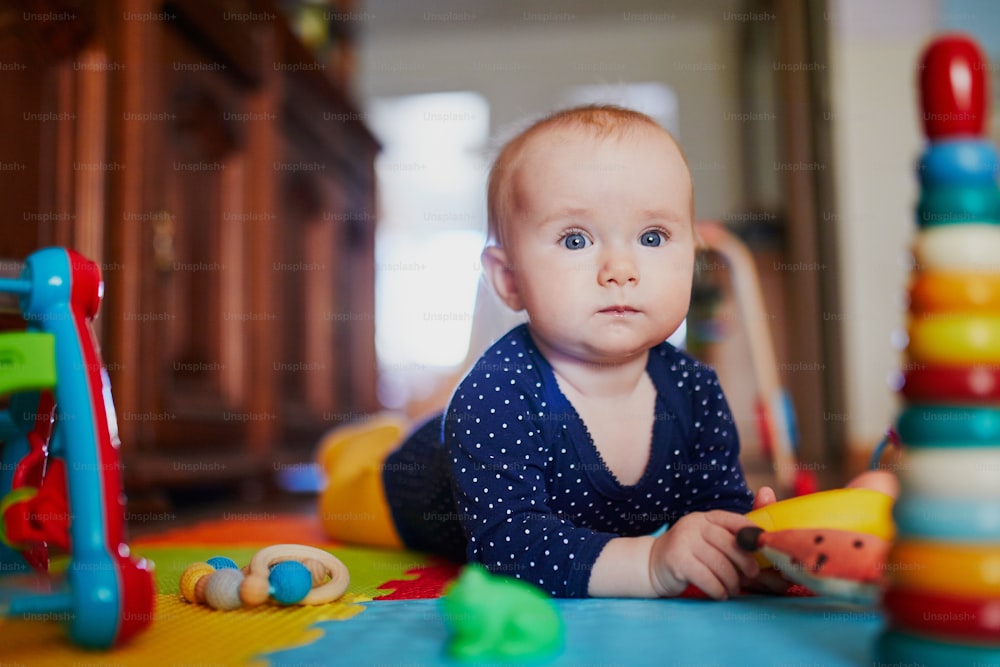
(748, 631)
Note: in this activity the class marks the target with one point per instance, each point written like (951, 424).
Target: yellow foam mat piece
(181, 634)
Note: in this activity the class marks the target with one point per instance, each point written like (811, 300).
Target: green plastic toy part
(496, 618)
(27, 361)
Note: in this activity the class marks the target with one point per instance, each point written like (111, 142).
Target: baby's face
(600, 241)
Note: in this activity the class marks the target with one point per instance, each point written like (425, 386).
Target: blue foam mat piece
(748, 631)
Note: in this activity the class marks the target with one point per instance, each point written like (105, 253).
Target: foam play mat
(182, 633)
(391, 615)
(747, 631)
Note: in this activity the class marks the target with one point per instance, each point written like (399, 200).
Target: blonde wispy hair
(600, 120)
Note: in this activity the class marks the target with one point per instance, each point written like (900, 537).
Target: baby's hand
(764, 497)
(700, 549)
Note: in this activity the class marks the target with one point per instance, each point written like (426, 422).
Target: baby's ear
(500, 272)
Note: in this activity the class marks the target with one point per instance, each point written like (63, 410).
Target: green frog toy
(497, 618)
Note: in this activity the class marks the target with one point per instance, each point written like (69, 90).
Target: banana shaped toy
(798, 531)
(844, 564)
(854, 509)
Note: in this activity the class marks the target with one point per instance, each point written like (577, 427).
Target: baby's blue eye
(575, 241)
(651, 239)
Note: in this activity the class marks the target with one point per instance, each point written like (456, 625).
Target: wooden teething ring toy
(262, 561)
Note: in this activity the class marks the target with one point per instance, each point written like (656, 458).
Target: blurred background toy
(775, 413)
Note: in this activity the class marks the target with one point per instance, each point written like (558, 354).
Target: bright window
(432, 220)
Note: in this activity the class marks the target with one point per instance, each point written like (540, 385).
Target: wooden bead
(199, 590)
(254, 590)
(223, 589)
(318, 571)
(190, 577)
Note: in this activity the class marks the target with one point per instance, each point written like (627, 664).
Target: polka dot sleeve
(498, 433)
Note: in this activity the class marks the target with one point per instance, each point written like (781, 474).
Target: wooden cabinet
(226, 186)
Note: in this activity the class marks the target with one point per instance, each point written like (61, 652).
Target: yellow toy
(854, 509)
(858, 510)
(949, 339)
(353, 507)
(946, 568)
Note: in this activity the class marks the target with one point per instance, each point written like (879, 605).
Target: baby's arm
(622, 569)
(699, 550)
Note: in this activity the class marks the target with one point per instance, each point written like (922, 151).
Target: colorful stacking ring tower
(943, 600)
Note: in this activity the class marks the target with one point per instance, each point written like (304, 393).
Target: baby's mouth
(619, 310)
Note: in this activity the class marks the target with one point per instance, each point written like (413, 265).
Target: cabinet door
(25, 226)
(326, 277)
(306, 365)
(53, 164)
(43, 77)
(192, 333)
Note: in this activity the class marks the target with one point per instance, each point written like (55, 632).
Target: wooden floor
(192, 507)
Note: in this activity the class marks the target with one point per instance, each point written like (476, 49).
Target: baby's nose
(618, 269)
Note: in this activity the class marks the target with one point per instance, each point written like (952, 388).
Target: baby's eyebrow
(560, 216)
(563, 213)
(666, 214)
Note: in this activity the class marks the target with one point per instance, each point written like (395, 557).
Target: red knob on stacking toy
(953, 88)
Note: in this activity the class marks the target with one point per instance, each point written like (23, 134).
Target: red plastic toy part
(42, 518)
(952, 384)
(953, 88)
(957, 616)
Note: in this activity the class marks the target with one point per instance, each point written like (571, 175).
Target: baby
(580, 433)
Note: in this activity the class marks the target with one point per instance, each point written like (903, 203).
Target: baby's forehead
(514, 172)
(548, 140)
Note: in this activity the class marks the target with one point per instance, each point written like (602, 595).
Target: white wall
(874, 51)
(523, 67)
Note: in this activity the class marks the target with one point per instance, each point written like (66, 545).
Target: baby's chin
(622, 348)
(609, 349)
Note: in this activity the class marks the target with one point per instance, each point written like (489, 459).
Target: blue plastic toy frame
(107, 595)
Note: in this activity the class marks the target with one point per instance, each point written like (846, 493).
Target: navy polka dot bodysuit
(529, 487)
